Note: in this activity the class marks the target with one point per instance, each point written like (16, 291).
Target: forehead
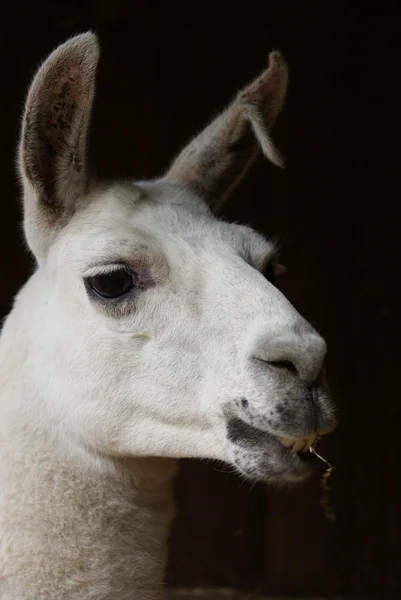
(124, 219)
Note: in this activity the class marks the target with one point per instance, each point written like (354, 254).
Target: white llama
(149, 331)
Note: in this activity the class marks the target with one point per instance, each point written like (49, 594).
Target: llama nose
(300, 354)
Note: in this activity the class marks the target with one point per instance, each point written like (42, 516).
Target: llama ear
(52, 153)
(216, 160)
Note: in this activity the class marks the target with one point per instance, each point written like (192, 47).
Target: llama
(149, 331)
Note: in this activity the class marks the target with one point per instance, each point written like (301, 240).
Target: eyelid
(105, 269)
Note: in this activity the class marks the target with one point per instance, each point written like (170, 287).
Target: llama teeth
(312, 440)
(287, 442)
(298, 445)
(305, 447)
(295, 445)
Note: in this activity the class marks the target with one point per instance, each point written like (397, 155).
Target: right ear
(215, 161)
(53, 145)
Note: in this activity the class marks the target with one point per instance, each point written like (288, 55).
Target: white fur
(98, 400)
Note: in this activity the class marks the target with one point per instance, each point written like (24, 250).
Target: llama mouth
(296, 450)
(265, 456)
(304, 456)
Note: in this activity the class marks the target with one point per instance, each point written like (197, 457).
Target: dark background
(166, 68)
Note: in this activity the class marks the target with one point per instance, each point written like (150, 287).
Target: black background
(166, 68)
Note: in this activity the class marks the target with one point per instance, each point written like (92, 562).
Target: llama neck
(97, 526)
(94, 534)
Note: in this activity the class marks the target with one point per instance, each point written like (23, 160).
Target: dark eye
(112, 285)
(270, 273)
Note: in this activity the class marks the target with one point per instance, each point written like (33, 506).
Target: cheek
(168, 368)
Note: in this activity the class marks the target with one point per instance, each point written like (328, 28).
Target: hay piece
(325, 497)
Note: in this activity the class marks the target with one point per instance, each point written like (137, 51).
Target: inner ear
(49, 143)
(55, 125)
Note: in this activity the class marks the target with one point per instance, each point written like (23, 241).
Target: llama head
(158, 328)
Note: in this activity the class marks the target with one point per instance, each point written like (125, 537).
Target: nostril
(282, 365)
(285, 365)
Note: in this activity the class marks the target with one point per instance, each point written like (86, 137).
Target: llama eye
(112, 285)
(270, 273)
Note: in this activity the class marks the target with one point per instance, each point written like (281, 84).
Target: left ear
(52, 152)
(215, 161)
